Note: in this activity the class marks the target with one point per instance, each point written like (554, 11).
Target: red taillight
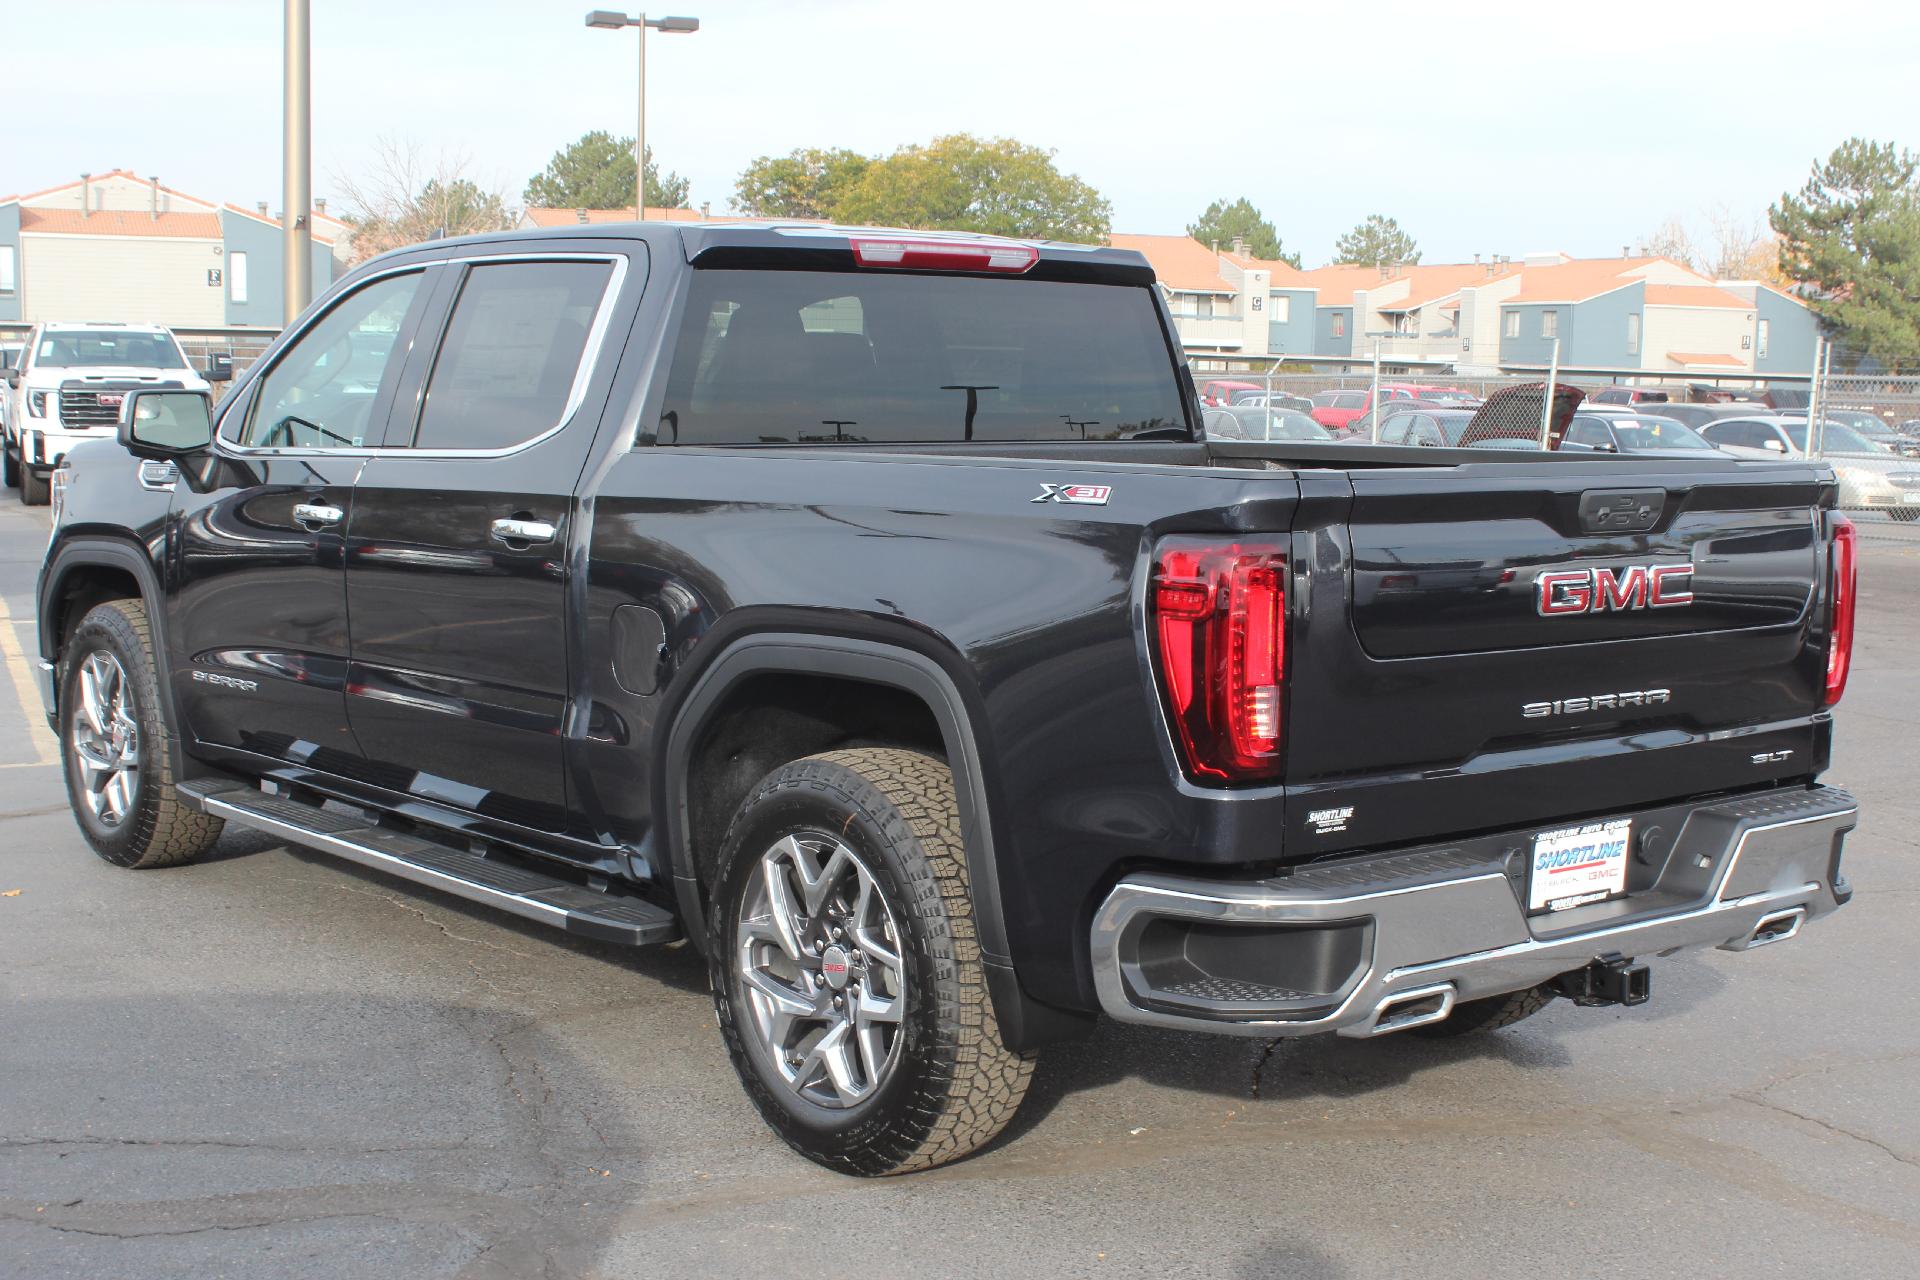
(1841, 592)
(946, 255)
(1220, 626)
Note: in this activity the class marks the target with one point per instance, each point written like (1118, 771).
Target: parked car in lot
(869, 609)
(1870, 426)
(1630, 433)
(1428, 428)
(1256, 422)
(69, 386)
(1217, 393)
(1627, 396)
(1697, 416)
(1272, 400)
(1872, 477)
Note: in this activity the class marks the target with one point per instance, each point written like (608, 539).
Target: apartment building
(116, 246)
(1614, 316)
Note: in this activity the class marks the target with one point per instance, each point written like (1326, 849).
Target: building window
(1513, 324)
(236, 277)
(1549, 324)
(9, 267)
(1633, 334)
(1761, 352)
(1339, 324)
(1281, 311)
(1203, 306)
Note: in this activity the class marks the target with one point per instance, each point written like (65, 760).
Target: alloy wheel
(106, 739)
(817, 952)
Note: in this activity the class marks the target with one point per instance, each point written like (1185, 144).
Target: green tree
(1223, 223)
(597, 173)
(963, 183)
(1851, 241)
(807, 183)
(1378, 239)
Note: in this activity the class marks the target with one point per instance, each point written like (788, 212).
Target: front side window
(321, 392)
(916, 358)
(1549, 324)
(513, 348)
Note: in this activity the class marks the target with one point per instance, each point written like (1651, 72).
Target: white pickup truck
(68, 385)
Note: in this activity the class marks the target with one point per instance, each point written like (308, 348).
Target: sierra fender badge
(1084, 495)
(226, 682)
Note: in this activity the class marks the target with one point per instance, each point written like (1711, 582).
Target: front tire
(113, 745)
(846, 969)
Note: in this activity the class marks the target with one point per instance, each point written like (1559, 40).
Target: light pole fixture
(615, 20)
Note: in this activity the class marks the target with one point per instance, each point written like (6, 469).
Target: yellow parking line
(26, 690)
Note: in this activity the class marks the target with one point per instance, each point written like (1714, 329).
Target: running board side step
(523, 891)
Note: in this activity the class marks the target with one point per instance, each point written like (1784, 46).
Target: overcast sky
(1499, 128)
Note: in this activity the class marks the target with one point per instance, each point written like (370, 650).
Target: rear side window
(513, 347)
(809, 357)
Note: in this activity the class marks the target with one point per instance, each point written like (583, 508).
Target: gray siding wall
(1296, 336)
(1528, 347)
(10, 238)
(1324, 343)
(261, 243)
(1601, 325)
(1790, 332)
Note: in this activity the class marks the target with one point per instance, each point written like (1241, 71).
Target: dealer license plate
(1573, 866)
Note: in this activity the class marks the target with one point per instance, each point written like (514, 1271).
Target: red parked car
(1338, 410)
(1218, 394)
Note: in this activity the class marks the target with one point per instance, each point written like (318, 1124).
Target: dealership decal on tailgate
(1577, 865)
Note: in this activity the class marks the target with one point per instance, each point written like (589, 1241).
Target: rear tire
(34, 488)
(1488, 1014)
(846, 969)
(113, 746)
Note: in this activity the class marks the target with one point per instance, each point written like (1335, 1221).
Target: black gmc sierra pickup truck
(869, 610)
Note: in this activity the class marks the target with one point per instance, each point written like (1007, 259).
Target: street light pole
(614, 20)
(296, 193)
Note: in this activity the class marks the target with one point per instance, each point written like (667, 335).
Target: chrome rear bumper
(1381, 943)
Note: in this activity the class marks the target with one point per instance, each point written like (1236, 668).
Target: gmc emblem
(1642, 586)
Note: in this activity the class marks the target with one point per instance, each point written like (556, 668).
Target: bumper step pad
(621, 919)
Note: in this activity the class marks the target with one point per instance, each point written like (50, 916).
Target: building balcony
(1215, 332)
(1410, 346)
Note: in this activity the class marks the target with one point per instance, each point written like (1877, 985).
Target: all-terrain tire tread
(167, 832)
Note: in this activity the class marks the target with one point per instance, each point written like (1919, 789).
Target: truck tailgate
(1484, 645)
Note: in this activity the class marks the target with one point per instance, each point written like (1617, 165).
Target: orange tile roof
(100, 177)
(1280, 275)
(1431, 284)
(1694, 295)
(1337, 283)
(120, 222)
(1690, 359)
(1181, 262)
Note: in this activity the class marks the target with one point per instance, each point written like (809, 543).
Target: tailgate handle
(1621, 510)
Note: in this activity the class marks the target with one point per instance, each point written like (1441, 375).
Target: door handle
(511, 529)
(317, 513)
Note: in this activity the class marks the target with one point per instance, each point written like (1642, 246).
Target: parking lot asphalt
(270, 1064)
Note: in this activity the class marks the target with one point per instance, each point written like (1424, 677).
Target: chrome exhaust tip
(1775, 926)
(1413, 1008)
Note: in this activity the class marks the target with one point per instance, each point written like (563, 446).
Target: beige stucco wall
(124, 278)
(1699, 330)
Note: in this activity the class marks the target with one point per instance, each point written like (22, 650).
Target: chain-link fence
(1864, 419)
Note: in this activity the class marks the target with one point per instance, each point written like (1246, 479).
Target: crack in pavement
(35, 813)
(411, 1203)
(24, 1142)
(1828, 1125)
(420, 912)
